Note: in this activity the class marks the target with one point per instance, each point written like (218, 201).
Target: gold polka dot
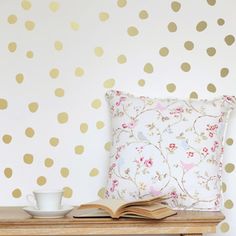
(16, 193)
(26, 4)
(58, 45)
(94, 172)
(29, 25)
(33, 106)
(79, 149)
(54, 141)
(64, 172)
(29, 132)
(79, 72)
(121, 59)
(132, 31)
(41, 180)
(164, 51)
(28, 158)
(67, 192)
(54, 6)
(186, 67)
(48, 162)
(121, 3)
(211, 2)
(228, 204)
(19, 78)
(54, 73)
(229, 141)
(12, 47)
(224, 227)
(96, 103)
(62, 117)
(12, 19)
(193, 95)
(100, 124)
(83, 127)
(211, 88)
(6, 138)
(229, 167)
(59, 92)
(171, 87)
(141, 82)
(8, 172)
(29, 54)
(109, 83)
(98, 51)
(107, 146)
(201, 26)
(229, 39)
(175, 6)
(103, 16)
(74, 25)
(3, 104)
(224, 72)
(148, 68)
(211, 51)
(189, 45)
(220, 21)
(172, 27)
(101, 193)
(224, 187)
(143, 14)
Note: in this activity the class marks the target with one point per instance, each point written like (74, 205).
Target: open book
(147, 208)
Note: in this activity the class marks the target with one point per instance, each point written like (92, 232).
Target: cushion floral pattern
(168, 146)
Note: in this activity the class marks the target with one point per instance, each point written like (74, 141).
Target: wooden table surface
(15, 221)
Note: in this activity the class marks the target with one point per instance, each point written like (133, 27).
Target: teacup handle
(31, 200)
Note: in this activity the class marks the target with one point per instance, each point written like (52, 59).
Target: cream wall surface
(57, 60)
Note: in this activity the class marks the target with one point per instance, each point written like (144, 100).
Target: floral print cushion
(167, 146)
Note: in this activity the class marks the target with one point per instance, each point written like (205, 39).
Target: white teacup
(46, 200)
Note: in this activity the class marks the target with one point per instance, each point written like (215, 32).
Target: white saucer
(36, 213)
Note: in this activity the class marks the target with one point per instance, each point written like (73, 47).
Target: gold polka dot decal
(29, 25)
(12, 19)
(74, 25)
(101, 193)
(175, 6)
(229, 141)
(48, 162)
(41, 180)
(12, 47)
(26, 5)
(16, 193)
(8, 173)
(3, 104)
(211, 51)
(172, 27)
(143, 15)
(141, 82)
(201, 26)
(79, 72)
(189, 45)
(107, 146)
(211, 2)
(171, 87)
(224, 187)
(62, 117)
(164, 51)
(54, 6)
(220, 21)
(109, 83)
(224, 72)
(148, 68)
(20, 78)
(228, 204)
(121, 3)
(33, 106)
(54, 141)
(211, 88)
(103, 16)
(229, 168)
(54, 73)
(64, 172)
(96, 103)
(67, 192)
(79, 149)
(186, 67)
(94, 172)
(6, 138)
(132, 31)
(59, 92)
(121, 59)
(29, 132)
(193, 95)
(83, 127)
(229, 39)
(28, 158)
(29, 54)
(99, 124)
(224, 227)
(58, 45)
(98, 51)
